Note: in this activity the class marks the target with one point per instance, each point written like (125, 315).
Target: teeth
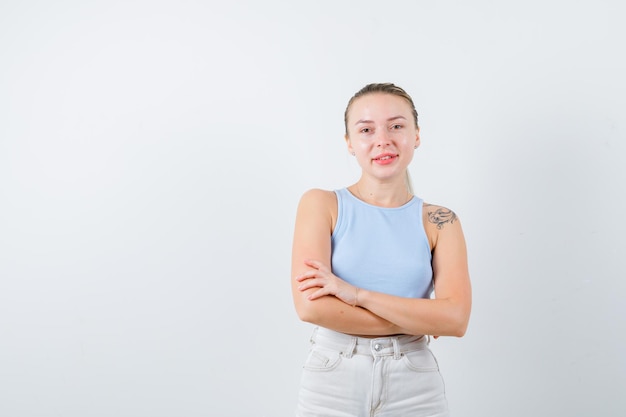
(385, 157)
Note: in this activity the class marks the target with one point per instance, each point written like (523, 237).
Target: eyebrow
(371, 121)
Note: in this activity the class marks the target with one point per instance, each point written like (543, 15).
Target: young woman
(365, 262)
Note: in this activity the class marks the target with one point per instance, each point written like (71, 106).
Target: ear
(348, 143)
(417, 138)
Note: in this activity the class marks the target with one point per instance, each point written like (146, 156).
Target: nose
(382, 138)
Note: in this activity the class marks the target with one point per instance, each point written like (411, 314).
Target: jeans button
(378, 347)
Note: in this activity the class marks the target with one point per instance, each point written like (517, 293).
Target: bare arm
(314, 222)
(446, 315)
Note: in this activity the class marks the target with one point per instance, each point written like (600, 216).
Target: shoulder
(319, 202)
(439, 222)
(317, 198)
(318, 208)
(439, 216)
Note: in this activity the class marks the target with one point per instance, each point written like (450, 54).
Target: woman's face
(382, 134)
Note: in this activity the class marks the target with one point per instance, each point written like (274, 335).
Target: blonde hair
(385, 88)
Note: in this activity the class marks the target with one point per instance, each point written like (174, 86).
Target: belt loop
(312, 339)
(396, 348)
(350, 348)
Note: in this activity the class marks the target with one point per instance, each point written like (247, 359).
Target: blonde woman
(366, 260)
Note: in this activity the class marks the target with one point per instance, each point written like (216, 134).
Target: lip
(385, 158)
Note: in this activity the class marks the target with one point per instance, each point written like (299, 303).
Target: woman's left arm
(448, 313)
(445, 315)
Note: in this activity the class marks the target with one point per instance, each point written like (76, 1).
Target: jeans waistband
(349, 345)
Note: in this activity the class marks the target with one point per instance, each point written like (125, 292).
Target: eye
(365, 130)
(396, 126)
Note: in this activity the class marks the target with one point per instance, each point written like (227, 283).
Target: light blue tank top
(382, 249)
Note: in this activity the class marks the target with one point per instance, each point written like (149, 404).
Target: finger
(310, 284)
(317, 294)
(312, 273)
(313, 263)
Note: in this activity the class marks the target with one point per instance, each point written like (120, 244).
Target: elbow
(312, 311)
(456, 330)
(460, 326)
(305, 315)
(458, 322)
(459, 331)
(306, 312)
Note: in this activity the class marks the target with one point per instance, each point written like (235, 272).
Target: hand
(320, 276)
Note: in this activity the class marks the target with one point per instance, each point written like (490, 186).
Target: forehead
(379, 106)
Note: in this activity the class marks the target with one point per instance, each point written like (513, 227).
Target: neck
(383, 195)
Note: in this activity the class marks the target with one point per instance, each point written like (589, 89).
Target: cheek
(362, 144)
(408, 141)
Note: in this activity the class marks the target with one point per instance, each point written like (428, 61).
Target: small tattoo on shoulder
(440, 216)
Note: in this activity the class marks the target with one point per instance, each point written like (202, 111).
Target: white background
(152, 154)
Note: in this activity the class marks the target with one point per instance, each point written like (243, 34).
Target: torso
(428, 209)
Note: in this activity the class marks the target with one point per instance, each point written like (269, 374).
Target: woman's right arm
(315, 219)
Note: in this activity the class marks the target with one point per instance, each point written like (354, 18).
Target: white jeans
(347, 376)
